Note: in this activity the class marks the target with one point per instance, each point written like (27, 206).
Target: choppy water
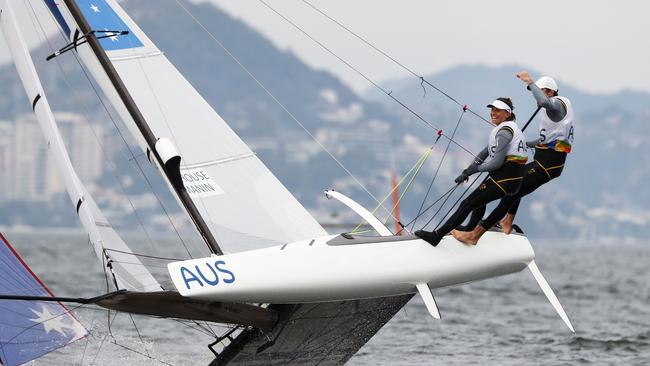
(506, 321)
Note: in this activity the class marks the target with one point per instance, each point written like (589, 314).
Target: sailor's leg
(508, 219)
(465, 207)
(475, 217)
(507, 187)
(535, 177)
(484, 194)
(499, 212)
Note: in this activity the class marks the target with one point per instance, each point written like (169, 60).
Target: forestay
(243, 203)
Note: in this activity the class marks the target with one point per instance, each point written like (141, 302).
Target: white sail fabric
(244, 204)
(129, 272)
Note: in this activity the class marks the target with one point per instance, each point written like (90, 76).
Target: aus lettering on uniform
(542, 134)
(207, 274)
(522, 146)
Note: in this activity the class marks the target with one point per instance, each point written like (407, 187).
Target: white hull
(299, 272)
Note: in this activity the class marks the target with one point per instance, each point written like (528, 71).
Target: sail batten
(135, 57)
(219, 161)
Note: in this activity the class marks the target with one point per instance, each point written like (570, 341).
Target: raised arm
(554, 108)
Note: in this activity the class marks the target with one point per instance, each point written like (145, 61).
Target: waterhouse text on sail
(199, 184)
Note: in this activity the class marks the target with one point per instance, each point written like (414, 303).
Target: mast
(171, 170)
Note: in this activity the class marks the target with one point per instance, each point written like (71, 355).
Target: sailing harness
(551, 162)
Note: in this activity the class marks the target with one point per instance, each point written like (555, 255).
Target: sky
(597, 46)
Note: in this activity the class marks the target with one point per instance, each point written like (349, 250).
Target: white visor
(500, 105)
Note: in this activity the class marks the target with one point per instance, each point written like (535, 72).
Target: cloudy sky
(600, 46)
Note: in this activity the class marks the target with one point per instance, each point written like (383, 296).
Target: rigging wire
(114, 341)
(101, 344)
(417, 164)
(458, 200)
(450, 191)
(139, 335)
(408, 185)
(421, 78)
(139, 264)
(277, 101)
(110, 116)
(146, 255)
(356, 70)
(435, 175)
(92, 325)
(446, 197)
(443, 204)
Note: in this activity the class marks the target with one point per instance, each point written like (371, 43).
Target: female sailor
(507, 150)
(551, 148)
(553, 145)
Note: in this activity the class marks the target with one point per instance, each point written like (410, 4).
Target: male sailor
(556, 135)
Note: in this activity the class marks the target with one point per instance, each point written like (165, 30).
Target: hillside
(601, 194)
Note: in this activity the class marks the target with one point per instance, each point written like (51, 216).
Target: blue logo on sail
(102, 17)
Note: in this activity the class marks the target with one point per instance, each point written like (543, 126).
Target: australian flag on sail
(30, 329)
(102, 17)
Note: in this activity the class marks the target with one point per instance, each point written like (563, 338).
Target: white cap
(546, 82)
(500, 105)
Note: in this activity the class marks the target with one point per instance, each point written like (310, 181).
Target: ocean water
(604, 289)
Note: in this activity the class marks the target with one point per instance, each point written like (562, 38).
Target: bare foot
(506, 223)
(466, 237)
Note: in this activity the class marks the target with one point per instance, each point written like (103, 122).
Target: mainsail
(243, 203)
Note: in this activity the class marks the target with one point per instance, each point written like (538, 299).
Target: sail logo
(198, 183)
(206, 274)
(102, 17)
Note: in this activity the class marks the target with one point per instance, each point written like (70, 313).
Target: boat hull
(334, 268)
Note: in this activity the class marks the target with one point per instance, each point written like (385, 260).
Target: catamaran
(272, 263)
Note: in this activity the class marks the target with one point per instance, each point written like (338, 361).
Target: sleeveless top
(517, 152)
(557, 136)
